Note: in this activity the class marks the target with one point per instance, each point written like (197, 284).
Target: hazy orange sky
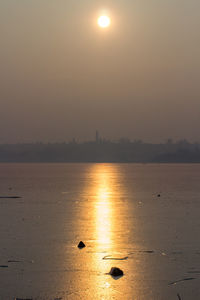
(62, 76)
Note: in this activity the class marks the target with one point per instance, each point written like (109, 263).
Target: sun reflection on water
(103, 208)
(102, 226)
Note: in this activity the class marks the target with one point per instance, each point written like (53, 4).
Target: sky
(62, 76)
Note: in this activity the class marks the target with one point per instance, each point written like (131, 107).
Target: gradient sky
(62, 76)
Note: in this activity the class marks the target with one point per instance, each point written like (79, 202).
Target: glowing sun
(104, 21)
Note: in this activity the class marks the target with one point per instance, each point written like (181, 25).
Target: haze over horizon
(63, 77)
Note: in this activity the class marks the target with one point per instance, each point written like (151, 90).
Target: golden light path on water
(105, 204)
(103, 210)
(104, 226)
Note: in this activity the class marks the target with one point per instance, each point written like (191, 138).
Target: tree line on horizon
(102, 150)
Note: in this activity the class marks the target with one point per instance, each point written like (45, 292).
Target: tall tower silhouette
(97, 137)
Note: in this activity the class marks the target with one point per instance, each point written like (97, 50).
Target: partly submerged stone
(116, 272)
(81, 245)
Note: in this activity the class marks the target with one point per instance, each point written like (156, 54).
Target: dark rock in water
(158, 195)
(116, 272)
(81, 245)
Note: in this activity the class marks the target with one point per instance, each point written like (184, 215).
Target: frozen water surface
(115, 210)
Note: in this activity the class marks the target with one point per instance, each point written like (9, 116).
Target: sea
(141, 218)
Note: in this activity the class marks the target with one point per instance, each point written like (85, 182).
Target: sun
(104, 21)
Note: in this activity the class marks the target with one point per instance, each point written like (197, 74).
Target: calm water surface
(115, 210)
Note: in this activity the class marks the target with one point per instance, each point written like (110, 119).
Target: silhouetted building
(97, 139)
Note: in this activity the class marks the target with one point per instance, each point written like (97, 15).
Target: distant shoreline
(101, 152)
